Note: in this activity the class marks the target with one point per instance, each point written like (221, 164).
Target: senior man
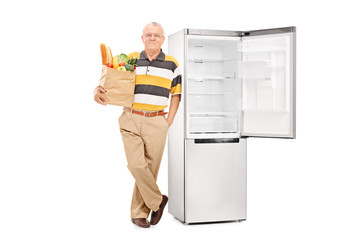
(144, 126)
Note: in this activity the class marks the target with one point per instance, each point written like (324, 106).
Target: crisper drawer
(215, 181)
(212, 102)
(213, 124)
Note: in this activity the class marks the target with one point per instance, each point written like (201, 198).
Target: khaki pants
(144, 141)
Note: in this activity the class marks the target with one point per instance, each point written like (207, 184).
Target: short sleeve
(176, 82)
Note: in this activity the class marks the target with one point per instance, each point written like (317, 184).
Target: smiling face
(153, 37)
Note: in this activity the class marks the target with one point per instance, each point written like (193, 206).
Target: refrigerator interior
(213, 87)
(239, 86)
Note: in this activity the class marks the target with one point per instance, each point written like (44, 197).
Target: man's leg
(138, 206)
(154, 133)
(138, 165)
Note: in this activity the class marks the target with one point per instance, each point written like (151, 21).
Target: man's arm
(174, 104)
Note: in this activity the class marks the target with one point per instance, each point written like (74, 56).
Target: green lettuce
(123, 58)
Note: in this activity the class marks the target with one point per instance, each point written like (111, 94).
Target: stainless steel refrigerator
(235, 85)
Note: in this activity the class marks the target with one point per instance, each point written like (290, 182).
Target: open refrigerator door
(267, 72)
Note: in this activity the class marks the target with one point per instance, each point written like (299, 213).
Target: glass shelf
(261, 50)
(212, 132)
(203, 60)
(209, 93)
(206, 76)
(265, 110)
(201, 79)
(213, 114)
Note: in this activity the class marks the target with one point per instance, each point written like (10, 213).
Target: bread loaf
(103, 53)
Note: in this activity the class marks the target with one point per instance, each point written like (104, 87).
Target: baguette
(109, 56)
(103, 50)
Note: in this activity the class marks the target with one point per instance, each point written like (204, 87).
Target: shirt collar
(160, 57)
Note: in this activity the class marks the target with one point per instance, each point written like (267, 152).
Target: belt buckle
(149, 114)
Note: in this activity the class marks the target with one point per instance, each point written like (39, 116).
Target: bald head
(155, 24)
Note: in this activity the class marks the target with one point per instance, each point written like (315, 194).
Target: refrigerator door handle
(217, 140)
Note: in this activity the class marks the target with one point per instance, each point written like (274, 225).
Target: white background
(63, 171)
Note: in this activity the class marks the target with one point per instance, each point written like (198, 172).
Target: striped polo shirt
(155, 81)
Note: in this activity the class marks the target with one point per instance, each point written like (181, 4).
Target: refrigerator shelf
(201, 79)
(212, 132)
(261, 50)
(207, 76)
(255, 61)
(265, 110)
(213, 114)
(209, 93)
(202, 60)
(256, 78)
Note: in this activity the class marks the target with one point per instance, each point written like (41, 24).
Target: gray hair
(154, 24)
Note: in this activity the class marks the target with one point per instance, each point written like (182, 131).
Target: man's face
(153, 37)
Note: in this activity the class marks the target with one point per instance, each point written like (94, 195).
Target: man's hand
(99, 95)
(169, 122)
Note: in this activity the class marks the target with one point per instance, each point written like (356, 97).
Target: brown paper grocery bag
(119, 86)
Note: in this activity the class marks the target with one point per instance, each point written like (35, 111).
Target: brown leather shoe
(156, 216)
(141, 222)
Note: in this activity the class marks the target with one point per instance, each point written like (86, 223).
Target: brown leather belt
(146, 114)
